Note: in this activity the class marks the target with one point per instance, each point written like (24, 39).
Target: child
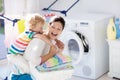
(34, 26)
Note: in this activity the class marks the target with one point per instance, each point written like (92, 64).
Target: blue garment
(21, 77)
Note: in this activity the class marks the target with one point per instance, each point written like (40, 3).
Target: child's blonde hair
(33, 19)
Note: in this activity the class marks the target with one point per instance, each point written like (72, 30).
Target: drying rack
(60, 11)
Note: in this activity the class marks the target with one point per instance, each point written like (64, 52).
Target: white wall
(14, 7)
(21, 7)
(98, 6)
(30, 6)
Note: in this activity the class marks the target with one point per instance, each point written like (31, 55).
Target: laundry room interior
(72, 40)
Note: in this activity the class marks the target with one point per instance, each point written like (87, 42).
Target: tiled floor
(104, 77)
(4, 70)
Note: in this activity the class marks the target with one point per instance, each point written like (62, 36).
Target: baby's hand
(37, 36)
(44, 38)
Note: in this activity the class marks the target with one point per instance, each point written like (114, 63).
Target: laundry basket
(52, 75)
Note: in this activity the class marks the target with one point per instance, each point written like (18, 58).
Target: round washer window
(73, 49)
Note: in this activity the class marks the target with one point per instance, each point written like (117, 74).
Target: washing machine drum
(73, 46)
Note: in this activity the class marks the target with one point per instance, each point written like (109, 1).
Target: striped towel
(56, 60)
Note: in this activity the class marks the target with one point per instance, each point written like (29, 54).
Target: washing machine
(85, 42)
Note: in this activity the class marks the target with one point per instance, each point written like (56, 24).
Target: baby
(34, 25)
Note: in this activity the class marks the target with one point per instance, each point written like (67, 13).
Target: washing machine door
(73, 46)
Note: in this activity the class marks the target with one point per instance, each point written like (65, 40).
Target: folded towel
(65, 66)
(56, 60)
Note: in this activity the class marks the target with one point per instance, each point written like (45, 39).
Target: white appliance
(114, 58)
(85, 41)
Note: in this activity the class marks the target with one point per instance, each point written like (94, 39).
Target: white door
(73, 46)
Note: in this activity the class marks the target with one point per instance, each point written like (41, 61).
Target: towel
(56, 60)
(65, 66)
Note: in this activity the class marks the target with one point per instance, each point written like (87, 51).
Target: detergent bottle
(111, 30)
(117, 25)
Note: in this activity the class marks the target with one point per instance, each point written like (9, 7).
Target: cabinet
(114, 58)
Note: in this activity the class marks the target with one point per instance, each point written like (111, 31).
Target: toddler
(34, 26)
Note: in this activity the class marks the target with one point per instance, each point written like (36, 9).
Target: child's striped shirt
(19, 45)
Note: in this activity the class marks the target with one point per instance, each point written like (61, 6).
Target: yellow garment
(21, 26)
(111, 30)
